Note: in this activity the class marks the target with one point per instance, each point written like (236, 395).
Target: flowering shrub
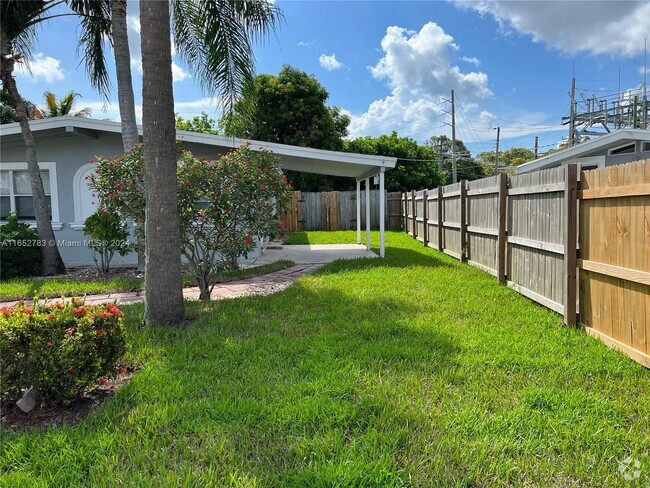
(222, 205)
(107, 234)
(59, 350)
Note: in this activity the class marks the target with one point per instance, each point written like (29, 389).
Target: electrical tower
(590, 115)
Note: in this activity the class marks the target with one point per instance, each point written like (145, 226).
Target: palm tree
(63, 106)
(18, 22)
(8, 112)
(163, 279)
(213, 38)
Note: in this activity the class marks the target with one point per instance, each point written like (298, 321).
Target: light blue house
(66, 145)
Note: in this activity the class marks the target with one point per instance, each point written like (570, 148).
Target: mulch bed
(43, 418)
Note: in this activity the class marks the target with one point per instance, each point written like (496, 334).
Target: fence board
(535, 247)
(451, 219)
(483, 223)
(614, 269)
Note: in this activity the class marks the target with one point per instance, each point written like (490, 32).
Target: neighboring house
(66, 145)
(622, 146)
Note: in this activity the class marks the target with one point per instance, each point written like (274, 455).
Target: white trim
(597, 146)
(362, 160)
(50, 166)
(77, 225)
(627, 145)
(77, 194)
(32, 224)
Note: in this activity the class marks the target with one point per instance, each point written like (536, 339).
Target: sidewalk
(258, 285)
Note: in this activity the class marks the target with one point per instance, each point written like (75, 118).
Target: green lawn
(28, 288)
(415, 370)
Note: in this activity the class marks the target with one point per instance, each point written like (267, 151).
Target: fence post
(425, 216)
(414, 208)
(440, 220)
(463, 220)
(570, 242)
(501, 230)
(403, 204)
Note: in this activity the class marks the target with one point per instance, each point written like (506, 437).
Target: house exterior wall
(71, 152)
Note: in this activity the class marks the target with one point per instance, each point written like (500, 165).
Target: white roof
(295, 158)
(595, 147)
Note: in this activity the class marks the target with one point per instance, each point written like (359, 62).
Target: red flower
(49, 344)
(249, 240)
(264, 187)
(69, 330)
(50, 316)
(119, 185)
(282, 224)
(102, 381)
(81, 311)
(99, 332)
(28, 310)
(122, 370)
(188, 183)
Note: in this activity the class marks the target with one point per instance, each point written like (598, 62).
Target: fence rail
(546, 235)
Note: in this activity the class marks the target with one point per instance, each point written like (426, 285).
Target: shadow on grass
(302, 387)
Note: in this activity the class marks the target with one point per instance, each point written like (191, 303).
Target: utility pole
(536, 145)
(572, 114)
(453, 138)
(496, 159)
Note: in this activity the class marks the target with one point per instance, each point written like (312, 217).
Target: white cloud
(419, 70)
(329, 62)
(305, 44)
(594, 27)
(133, 28)
(42, 68)
(475, 61)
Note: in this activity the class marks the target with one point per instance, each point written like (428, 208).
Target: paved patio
(313, 253)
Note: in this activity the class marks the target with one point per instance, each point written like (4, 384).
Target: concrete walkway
(307, 259)
(314, 253)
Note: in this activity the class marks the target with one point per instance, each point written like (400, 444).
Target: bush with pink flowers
(223, 204)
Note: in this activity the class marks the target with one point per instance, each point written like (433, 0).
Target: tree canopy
(416, 167)
(511, 157)
(466, 167)
(199, 123)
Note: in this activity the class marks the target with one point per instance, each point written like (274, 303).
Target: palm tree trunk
(51, 259)
(163, 280)
(125, 98)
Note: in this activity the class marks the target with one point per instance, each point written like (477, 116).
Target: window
(628, 148)
(16, 191)
(646, 147)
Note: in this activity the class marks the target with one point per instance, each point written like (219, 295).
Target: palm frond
(214, 40)
(95, 23)
(18, 19)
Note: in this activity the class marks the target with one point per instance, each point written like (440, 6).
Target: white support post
(382, 215)
(358, 212)
(368, 214)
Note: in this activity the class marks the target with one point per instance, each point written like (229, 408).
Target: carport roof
(294, 158)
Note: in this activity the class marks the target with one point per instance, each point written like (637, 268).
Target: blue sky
(390, 64)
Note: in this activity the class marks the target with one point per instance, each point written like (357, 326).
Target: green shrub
(21, 252)
(107, 235)
(59, 349)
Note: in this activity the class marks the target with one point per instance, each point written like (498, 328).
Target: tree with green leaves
(291, 108)
(467, 168)
(199, 123)
(214, 39)
(416, 166)
(511, 157)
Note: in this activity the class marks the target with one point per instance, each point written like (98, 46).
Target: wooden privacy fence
(336, 210)
(524, 231)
